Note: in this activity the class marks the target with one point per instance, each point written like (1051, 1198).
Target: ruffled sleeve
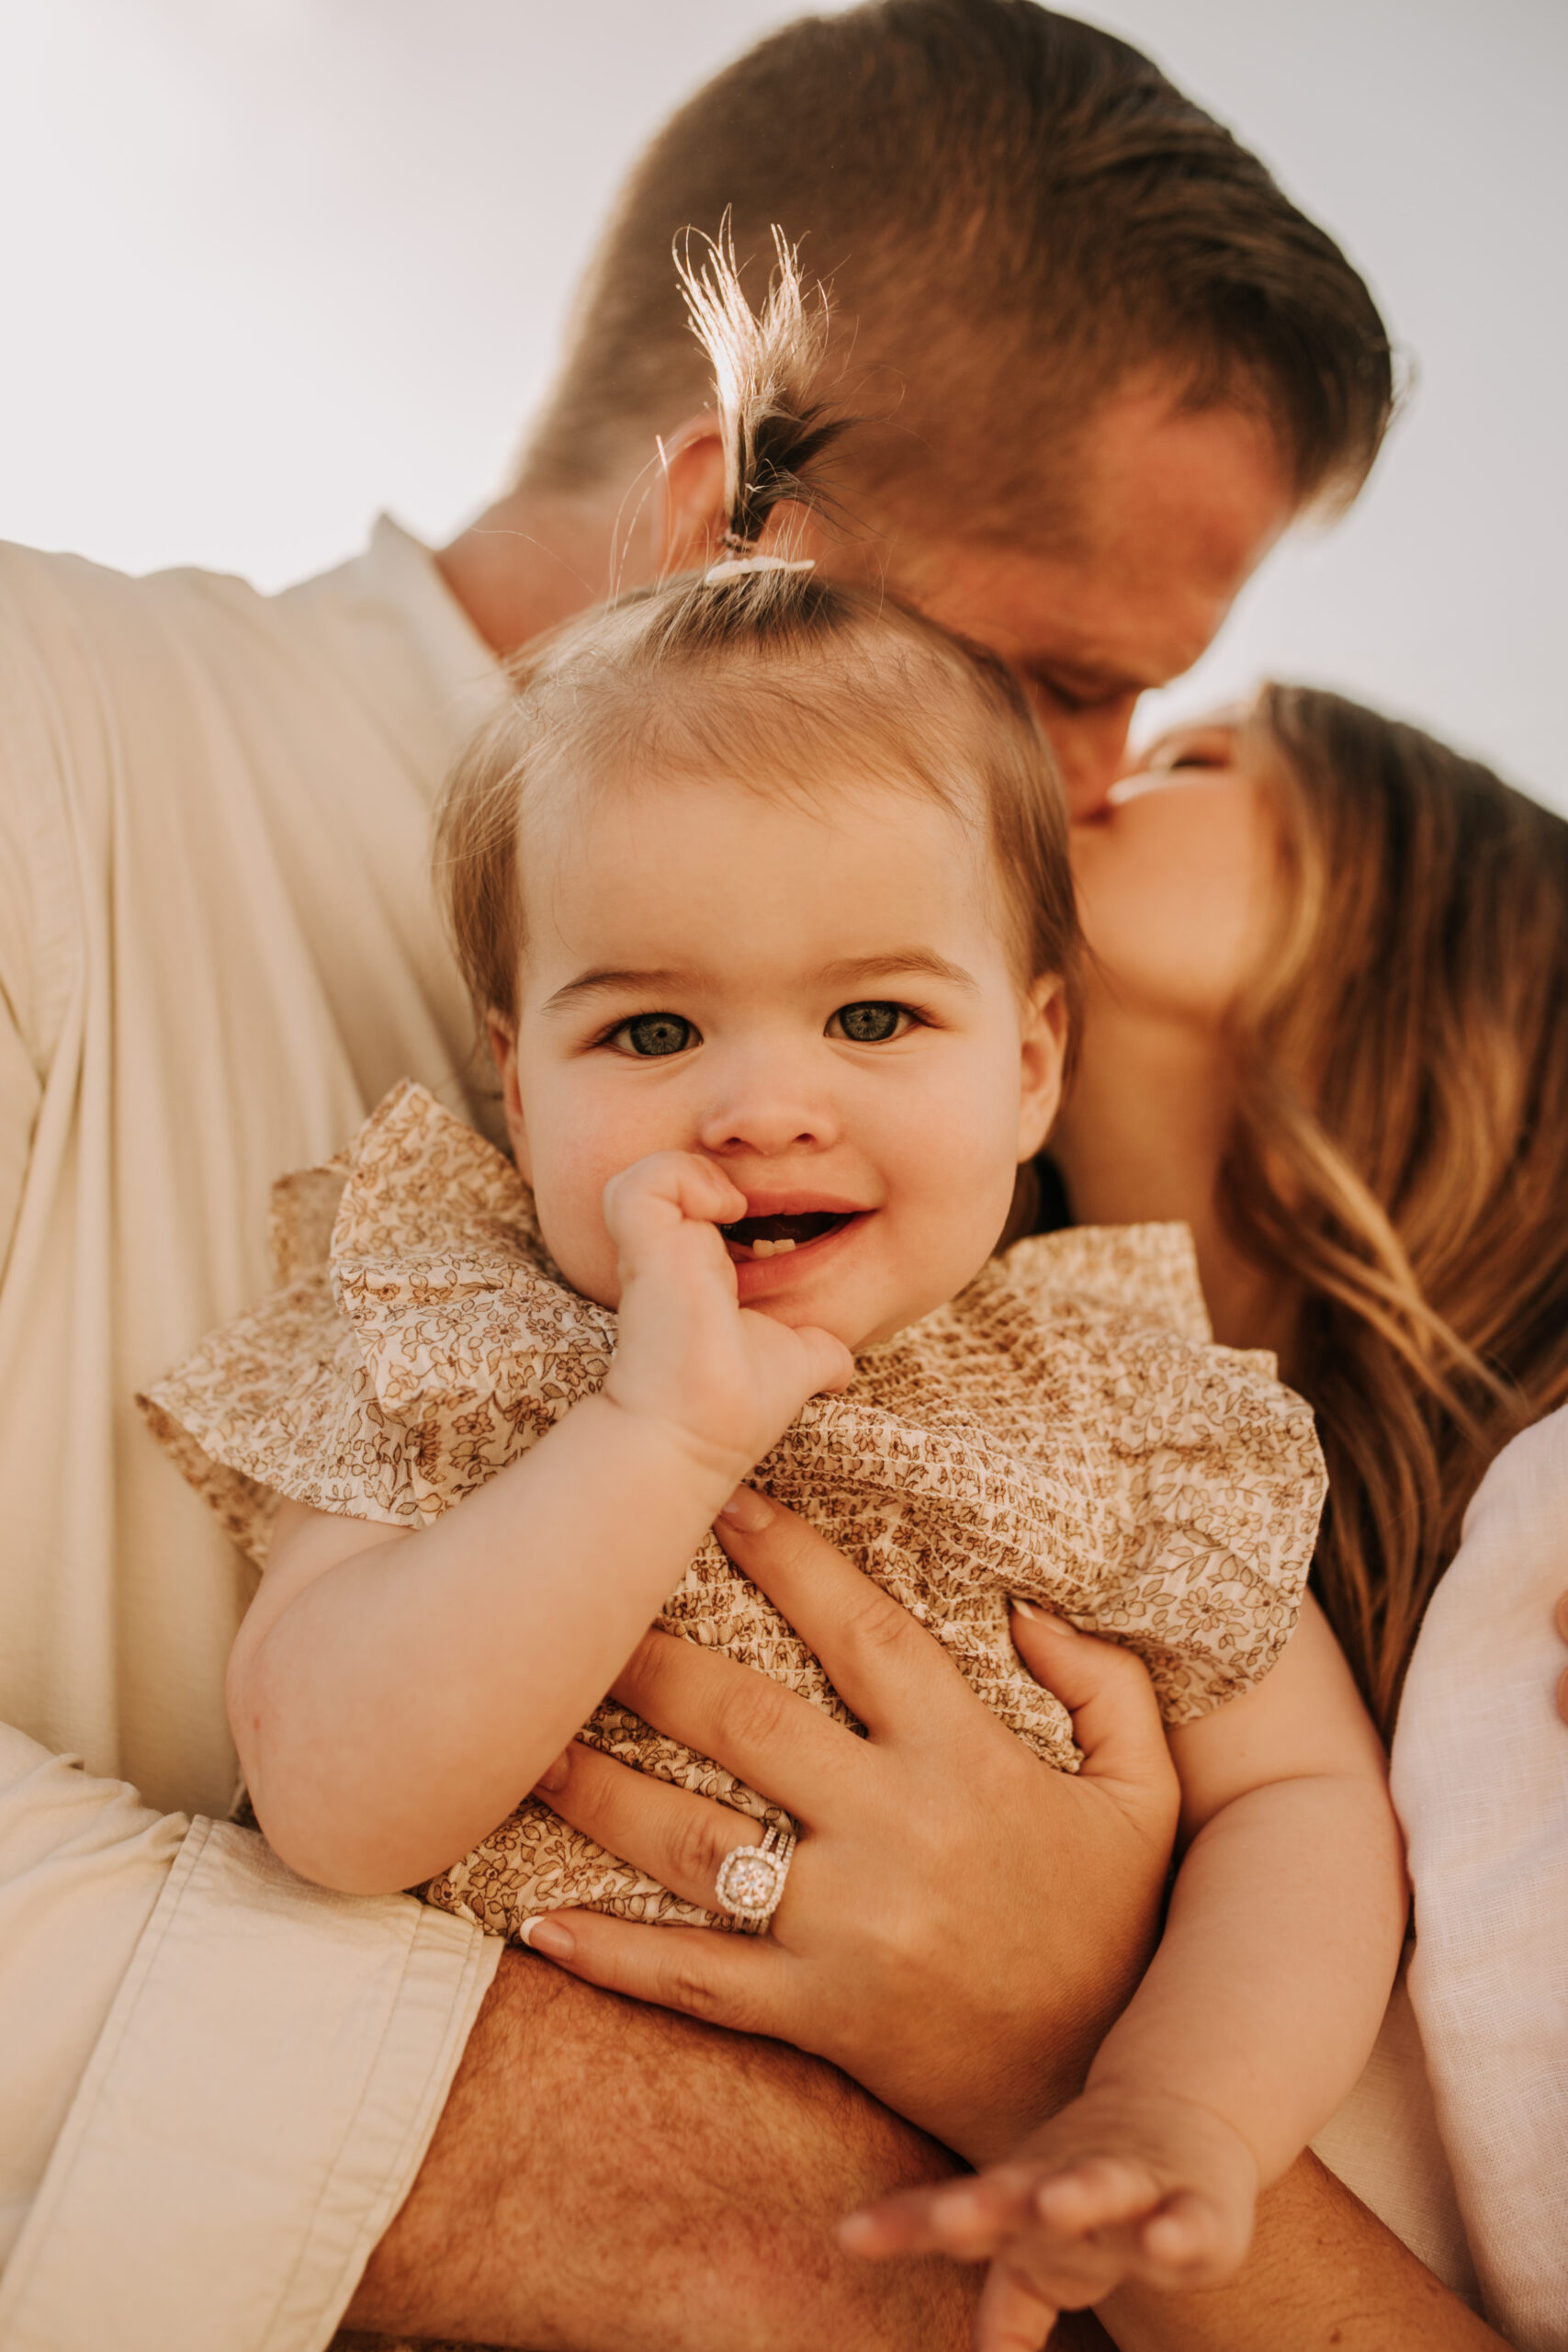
(435, 1345)
(1201, 1475)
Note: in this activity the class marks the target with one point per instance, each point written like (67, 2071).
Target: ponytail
(767, 369)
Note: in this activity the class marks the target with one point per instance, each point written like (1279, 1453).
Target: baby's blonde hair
(773, 679)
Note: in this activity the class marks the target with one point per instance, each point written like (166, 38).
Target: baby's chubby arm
(392, 1695)
(1252, 2024)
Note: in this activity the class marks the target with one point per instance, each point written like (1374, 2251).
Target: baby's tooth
(761, 1246)
(779, 1247)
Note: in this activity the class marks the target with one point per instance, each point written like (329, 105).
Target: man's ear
(688, 515)
(503, 1046)
(1042, 1057)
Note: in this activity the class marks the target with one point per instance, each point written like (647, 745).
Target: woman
(1329, 1026)
(1330, 1029)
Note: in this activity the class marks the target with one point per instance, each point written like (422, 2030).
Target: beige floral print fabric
(1064, 1430)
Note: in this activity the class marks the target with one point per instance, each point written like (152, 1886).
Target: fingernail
(549, 1936)
(1038, 1616)
(554, 1775)
(857, 2231)
(747, 1510)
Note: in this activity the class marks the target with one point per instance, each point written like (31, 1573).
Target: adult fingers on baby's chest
(777, 1741)
(679, 1836)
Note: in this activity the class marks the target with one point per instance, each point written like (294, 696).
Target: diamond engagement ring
(752, 1880)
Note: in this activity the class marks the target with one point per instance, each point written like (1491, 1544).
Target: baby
(761, 886)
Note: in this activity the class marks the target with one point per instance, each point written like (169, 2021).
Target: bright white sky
(267, 266)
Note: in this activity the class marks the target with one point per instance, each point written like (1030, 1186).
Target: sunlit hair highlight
(1402, 1147)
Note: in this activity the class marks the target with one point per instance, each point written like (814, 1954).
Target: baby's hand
(1120, 2185)
(727, 1380)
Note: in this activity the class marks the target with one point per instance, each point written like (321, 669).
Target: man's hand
(728, 1380)
(961, 1924)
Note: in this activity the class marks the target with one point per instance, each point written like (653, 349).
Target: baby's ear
(1042, 1055)
(503, 1046)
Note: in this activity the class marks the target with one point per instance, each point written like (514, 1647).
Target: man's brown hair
(1017, 214)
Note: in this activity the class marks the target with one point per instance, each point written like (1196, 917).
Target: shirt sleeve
(229, 2081)
(1481, 1782)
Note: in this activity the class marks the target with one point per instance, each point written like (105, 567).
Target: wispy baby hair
(775, 679)
(767, 374)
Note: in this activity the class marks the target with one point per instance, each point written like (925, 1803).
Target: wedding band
(752, 1880)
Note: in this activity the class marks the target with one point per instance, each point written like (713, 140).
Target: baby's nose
(765, 1130)
(767, 1119)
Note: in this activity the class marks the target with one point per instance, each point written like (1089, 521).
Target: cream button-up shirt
(219, 948)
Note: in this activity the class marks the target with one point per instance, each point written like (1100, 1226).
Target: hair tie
(734, 566)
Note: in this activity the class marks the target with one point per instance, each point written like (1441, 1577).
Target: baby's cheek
(574, 1233)
(977, 1182)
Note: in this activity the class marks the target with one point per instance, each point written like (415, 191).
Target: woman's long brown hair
(1402, 1146)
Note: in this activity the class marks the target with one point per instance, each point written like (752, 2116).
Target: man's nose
(1090, 747)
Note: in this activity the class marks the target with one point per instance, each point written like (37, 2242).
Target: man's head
(1099, 359)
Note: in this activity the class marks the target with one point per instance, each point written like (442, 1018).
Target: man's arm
(608, 2178)
(216, 2084)
(1323, 2273)
(230, 2080)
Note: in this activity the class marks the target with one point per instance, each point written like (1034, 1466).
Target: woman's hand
(1562, 1678)
(961, 1923)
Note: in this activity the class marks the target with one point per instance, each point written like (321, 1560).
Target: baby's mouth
(770, 1236)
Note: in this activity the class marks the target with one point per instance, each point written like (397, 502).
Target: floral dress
(1064, 1430)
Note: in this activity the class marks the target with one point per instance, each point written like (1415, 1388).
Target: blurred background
(269, 266)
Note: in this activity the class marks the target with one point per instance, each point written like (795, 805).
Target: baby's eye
(868, 1024)
(654, 1032)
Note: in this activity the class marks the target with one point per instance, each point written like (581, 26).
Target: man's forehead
(1173, 511)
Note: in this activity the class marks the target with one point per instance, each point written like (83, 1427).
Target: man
(1100, 364)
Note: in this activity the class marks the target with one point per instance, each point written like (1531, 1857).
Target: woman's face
(1178, 878)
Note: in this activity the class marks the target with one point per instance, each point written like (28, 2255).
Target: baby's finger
(1096, 2193)
(639, 1200)
(966, 2218)
(1190, 2242)
(1014, 2315)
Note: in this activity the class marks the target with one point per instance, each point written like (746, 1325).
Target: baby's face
(819, 999)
